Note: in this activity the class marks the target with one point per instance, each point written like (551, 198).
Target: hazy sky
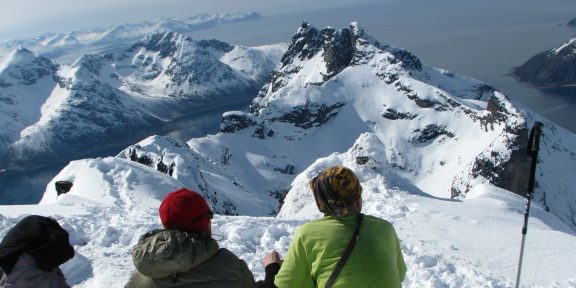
(25, 18)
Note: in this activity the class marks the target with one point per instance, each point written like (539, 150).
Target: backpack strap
(347, 252)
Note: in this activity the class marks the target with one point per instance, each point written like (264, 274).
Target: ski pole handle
(534, 140)
(533, 147)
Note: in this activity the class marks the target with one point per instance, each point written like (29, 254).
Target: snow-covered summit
(22, 66)
(25, 83)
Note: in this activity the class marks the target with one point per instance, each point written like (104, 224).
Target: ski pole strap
(347, 252)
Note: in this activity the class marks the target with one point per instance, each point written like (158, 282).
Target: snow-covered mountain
(91, 41)
(443, 132)
(425, 136)
(551, 68)
(57, 112)
(25, 84)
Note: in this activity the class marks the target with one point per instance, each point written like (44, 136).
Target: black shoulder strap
(347, 252)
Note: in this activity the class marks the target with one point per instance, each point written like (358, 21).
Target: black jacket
(41, 237)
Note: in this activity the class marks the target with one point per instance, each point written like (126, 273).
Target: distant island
(572, 22)
(553, 68)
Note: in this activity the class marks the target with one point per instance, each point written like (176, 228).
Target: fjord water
(18, 187)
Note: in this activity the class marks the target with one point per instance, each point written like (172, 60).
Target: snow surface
(446, 243)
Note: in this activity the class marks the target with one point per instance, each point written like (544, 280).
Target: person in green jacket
(184, 254)
(375, 261)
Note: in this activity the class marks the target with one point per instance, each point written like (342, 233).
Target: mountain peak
(333, 51)
(25, 67)
(20, 56)
(164, 42)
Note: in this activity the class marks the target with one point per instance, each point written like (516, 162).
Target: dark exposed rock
(395, 115)
(165, 43)
(259, 132)
(484, 89)
(279, 194)
(305, 43)
(226, 155)
(235, 122)
(215, 44)
(149, 161)
(408, 60)
(289, 169)
(387, 77)
(507, 172)
(310, 115)
(430, 132)
(498, 114)
(424, 103)
(514, 173)
(403, 88)
(338, 53)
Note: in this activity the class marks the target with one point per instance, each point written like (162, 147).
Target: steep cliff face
(552, 68)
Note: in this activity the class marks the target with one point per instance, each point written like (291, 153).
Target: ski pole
(533, 147)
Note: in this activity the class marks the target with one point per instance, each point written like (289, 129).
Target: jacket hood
(160, 253)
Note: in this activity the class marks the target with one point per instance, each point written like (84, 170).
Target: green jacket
(376, 260)
(173, 258)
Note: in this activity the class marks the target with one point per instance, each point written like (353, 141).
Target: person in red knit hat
(186, 210)
(184, 254)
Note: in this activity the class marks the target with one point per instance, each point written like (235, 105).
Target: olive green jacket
(173, 258)
(316, 248)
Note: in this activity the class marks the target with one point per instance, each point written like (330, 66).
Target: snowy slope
(446, 243)
(103, 101)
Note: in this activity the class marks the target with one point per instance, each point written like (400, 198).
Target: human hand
(271, 257)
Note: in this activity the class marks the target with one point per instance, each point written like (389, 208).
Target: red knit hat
(185, 210)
